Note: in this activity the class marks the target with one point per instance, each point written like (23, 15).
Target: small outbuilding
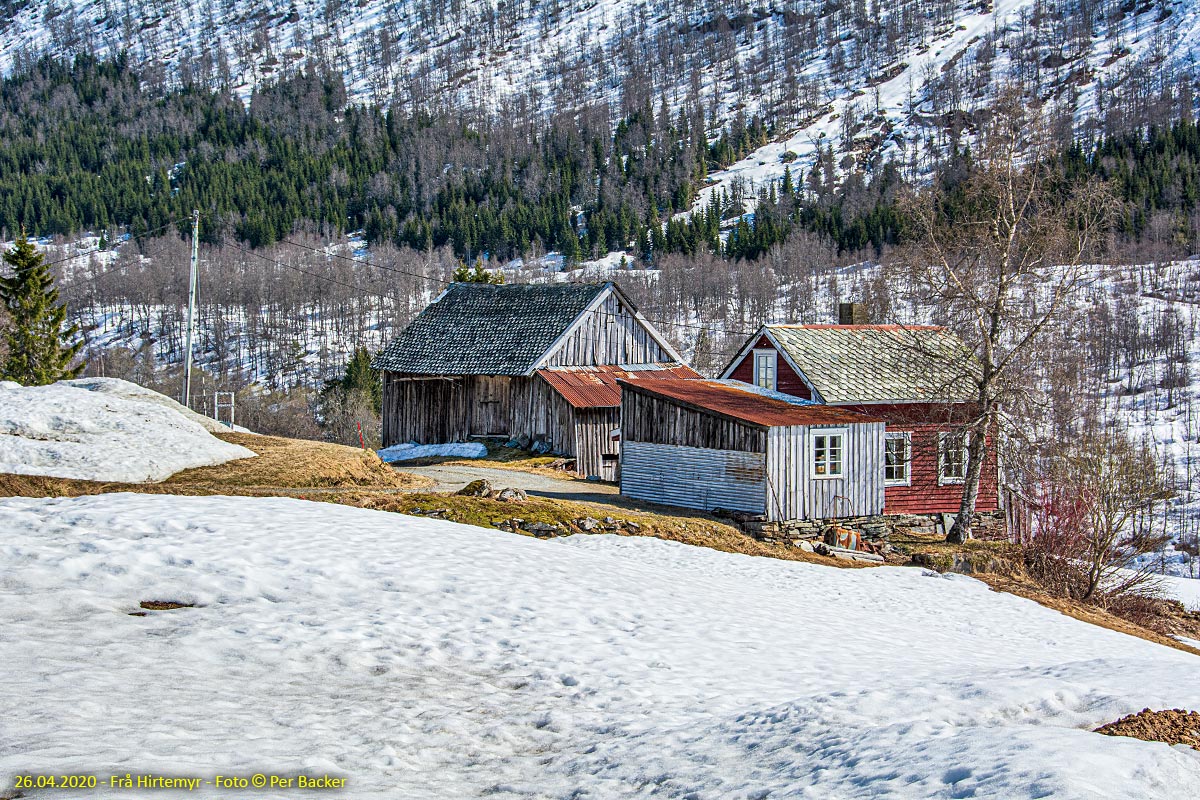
(708, 444)
(534, 364)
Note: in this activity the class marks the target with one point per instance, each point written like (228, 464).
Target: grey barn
(532, 362)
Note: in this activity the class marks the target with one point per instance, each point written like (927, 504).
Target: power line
(142, 235)
(301, 271)
(445, 282)
(385, 268)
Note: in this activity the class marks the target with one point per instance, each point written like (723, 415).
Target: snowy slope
(878, 66)
(102, 430)
(893, 114)
(423, 659)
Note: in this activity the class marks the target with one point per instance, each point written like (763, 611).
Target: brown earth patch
(1172, 726)
(164, 605)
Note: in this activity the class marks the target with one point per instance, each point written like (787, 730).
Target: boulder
(511, 495)
(587, 524)
(479, 488)
(543, 530)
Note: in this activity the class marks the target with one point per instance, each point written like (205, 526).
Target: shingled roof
(878, 363)
(482, 329)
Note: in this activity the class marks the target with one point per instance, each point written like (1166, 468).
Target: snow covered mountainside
(422, 659)
(103, 429)
(866, 77)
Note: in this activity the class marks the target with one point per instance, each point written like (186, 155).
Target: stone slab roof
(482, 329)
(879, 363)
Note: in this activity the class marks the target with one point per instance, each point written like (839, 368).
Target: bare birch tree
(999, 249)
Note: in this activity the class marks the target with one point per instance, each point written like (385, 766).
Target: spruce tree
(40, 350)
(362, 378)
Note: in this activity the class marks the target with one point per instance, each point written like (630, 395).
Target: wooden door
(489, 415)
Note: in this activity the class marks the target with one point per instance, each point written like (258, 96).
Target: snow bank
(424, 659)
(131, 391)
(105, 432)
(410, 452)
(1185, 590)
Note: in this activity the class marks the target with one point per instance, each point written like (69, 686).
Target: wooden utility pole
(191, 312)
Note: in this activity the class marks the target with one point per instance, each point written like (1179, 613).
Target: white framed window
(765, 367)
(897, 459)
(828, 453)
(952, 457)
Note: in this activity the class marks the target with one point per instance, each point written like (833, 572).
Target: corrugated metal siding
(694, 477)
(796, 494)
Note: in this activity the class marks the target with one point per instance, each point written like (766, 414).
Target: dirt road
(452, 477)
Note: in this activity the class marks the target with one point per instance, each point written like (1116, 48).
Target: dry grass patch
(975, 555)
(694, 529)
(295, 464)
(283, 467)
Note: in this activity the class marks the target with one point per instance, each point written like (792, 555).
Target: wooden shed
(534, 363)
(721, 444)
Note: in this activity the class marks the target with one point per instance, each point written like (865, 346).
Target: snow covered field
(102, 430)
(424, 659)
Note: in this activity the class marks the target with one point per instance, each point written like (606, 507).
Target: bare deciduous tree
(999, 249)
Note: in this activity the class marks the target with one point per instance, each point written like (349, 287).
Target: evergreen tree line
(91, 145)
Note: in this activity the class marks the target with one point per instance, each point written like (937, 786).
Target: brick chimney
(852, 314)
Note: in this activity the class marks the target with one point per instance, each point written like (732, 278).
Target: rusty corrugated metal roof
(748, 404)
(596, 386)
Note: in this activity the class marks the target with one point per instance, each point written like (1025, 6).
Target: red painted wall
(786, 379)
(923, 495)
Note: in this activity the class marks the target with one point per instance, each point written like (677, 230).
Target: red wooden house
(912, 377)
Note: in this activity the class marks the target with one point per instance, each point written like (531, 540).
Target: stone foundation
(987, 525)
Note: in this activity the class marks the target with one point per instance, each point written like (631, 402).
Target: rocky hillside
(867, 77)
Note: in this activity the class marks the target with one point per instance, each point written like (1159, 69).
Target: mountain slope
(871, 77)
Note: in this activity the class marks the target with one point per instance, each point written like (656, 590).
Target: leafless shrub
(1098, 493)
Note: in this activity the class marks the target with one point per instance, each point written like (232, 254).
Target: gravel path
(452, 477)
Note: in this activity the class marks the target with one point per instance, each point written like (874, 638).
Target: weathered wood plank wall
(608, 335)
(593, 441)
(794, 491)
(645, 418)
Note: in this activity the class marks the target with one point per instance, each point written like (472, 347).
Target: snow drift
(410, 452)
(424, 659)
(102, 430)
